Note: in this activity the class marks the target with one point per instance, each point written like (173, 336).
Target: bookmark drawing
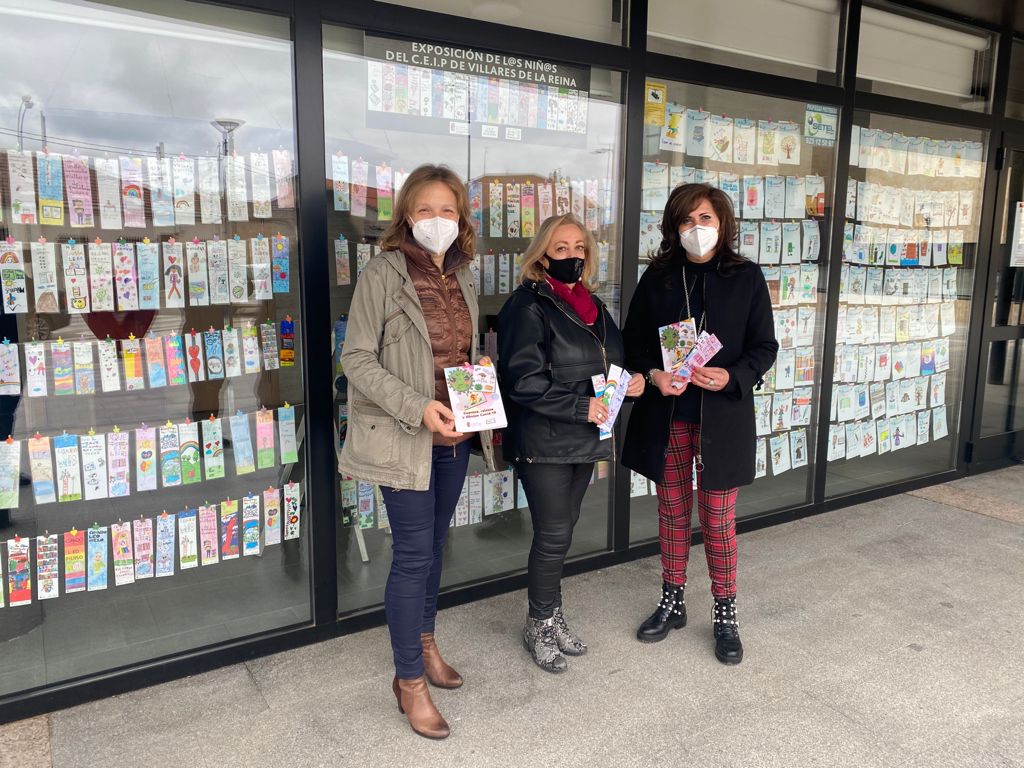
(165, 545)
(19, 572)
(149, 274)
(74, 562)
(94, 466)
(250, 350)
(282, 161)
(161, 190)
(131, 357)
(174, 275)
(40, 462)
(363, 253)
(44, 274)
(198, 278)
(126, 285)
(209, 537)
(48, 566)
(12, 277)
(217, 251)
(238, 271)
(342, 262)
(360, 173)
(767, 143)
(23, 187)
(132, 198)
(272, 516)
(35, 369)
(10, 466)
(63, 368)
(241, 443)
(124, 553)
(268, 341)
(108, 192)
(385, 192)
(214, 354)
(78, 188)
(110, 375)
(234, 180)
(287, 351)
(10, 369)
(213, 448)
(188, 451)
(170, 456)
(286, 434)
(96, 564)
(194, 356)
(118, 467)
(176, 373)
(261, 269)
(85, 372)
(264, 438)
(292, 511)
(101, 277)
(339, 178)
(69, 477)
(145, 458)
(156, 368)
(188, 544)
(76, 278)
(280, 267)
(142, 529)
(208, 173)
(232, 352)
(229, 529)
(250, 525)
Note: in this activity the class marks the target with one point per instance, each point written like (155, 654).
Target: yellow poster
(654, 103)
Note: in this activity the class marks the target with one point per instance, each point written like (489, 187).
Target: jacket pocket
(372, 438)
(396, 325)
(574, 372)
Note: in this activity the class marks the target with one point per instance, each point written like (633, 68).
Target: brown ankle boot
(415, 703)
(439, 673)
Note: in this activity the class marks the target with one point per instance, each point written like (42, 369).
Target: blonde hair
(399, 230)
(532, 268)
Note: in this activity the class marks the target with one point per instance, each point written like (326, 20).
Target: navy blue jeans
(419, 526)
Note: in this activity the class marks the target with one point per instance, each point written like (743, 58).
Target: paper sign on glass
(132, 198)
(188, 543)
(23, 187)
(101, 277)
(69, 477)
(108, 189)
(74, 561)
(170, 456)
(475, 397)
(176, 373)
(198, 277)
(238, 271)
(161, 191)
(229, 529)
(40, 462)
(241, 443)
(209, 537)
(78, 186)
(131, 357)
(118, 465)
(292, 520)
(286, 434)
(96, 558)
(12, 278)
(165, 545)
(194, 357)
(51, 189)
(272, 516)
(237, 199)
(48, 566)
(143, 532)
(217, 251)
(10, 369)
(174, 276)
(44, 277)
(188, 451)
(250, 525)
(85, 372)
(94, 466)
(124, 553)
(76, 278)
(261, 269)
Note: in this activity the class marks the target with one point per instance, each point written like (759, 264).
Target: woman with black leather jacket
(707, 418)
(553, 336)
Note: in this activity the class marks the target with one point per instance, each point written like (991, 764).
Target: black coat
(738, 311)
(546, 357)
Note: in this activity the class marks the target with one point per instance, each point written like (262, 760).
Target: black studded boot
(728, 648)
(670, 614)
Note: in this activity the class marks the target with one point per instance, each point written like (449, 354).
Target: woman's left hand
(711, 379)
(636, 385)
(484, 361)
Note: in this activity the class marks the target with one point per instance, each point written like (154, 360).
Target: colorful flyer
(94, 466)
(96, 562)
(131, 357)
(475, 397)
(677, 339)
(101, 277)
(272, 516)
(110, 375)
(217, 252)
(118, 464)
(261, 269)
(63, 368)
(209, 537)
(281, 265)
(23, 187)
(74, 561)
(198, 277)
(250, 350)
(264, 438)
(10, 369)
(165, 545)
(175, 357)
(78, 187)
(286, 434)
(188, 451)
(170, 456)
(161, 190)
(108, 191)
(213, 448)
(339, 179)
(69, 477)
(174, 275)
(142, 530)
(44, 277)
(148, 275)
(156, 367)
(236, 193)
(194, 344)
(132, 197)
(145, 458)
(268, 342)
(238, 271)
(259, 163)
(12, 277)
(124, 553)
(85, 371)
(282, 161)
(229, 529)
(250, 525)
(51, 189)
(208, 178)
(76, 278)
(188, 543)
(214, 347)
(241, 443)
(40, 462)
(292, 504)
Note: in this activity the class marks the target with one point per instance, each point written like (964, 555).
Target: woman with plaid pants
(698, 421)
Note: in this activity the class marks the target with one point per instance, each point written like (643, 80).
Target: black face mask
(566, 271)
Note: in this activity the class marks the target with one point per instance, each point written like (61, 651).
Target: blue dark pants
(419, 525)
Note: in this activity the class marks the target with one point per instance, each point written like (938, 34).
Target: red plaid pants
(716, 510)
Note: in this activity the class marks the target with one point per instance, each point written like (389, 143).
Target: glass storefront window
(527, 150)
(926, 59)
(1015, 96)
(151, 490)
(910, 250)
(1002, 404)
(598, 20)
(783, 37)
(775, 158)
(1008, 251)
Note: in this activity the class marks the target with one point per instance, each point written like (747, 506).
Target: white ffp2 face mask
(699, 240)
(435, 235)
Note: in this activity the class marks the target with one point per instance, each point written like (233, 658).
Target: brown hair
(681, 203)
(532, 268)
(399, 230)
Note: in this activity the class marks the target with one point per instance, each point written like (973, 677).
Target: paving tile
(26, 743)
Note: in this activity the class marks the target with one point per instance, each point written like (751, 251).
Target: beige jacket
(390, 368)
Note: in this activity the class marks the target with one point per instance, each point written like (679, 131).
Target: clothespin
(171, 241)
(42, 240)
(92, 432)
(116, 430)
(72, 241)
(145, 241)
(98, 241)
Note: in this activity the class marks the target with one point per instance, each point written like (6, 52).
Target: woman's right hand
(663, 381)
(598, 411)
(437, 417)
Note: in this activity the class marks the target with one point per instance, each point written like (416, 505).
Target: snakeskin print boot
(568, 642)
(539, 639)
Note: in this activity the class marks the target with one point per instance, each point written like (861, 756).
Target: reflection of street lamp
(227, 127)
(26, 105)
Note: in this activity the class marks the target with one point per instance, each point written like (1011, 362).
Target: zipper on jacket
(700, 431)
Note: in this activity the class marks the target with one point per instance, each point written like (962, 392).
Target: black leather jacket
(546, 357)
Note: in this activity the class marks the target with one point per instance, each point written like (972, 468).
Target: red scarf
(578, 298)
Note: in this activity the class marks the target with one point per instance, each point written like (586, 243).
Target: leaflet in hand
(611, 391)
(707, 346)
(475, 397)
(677, 339)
